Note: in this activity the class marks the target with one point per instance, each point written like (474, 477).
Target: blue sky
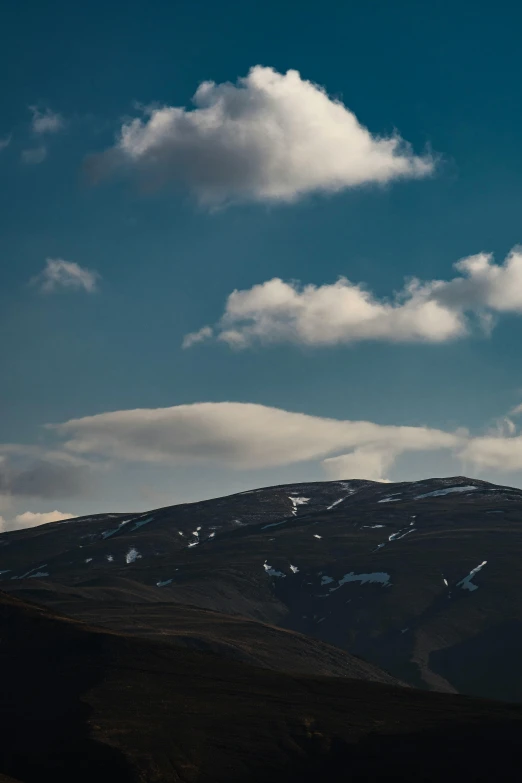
(445, 78)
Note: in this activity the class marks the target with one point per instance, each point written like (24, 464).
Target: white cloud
(499, 452)
(5, 142)
(65, 274)
(368, 462)
(32, 519)
(344, 312)
(205, 333)
(45, 121)
(34, 156)
(245, 436)
(271, 137)
(240, 436)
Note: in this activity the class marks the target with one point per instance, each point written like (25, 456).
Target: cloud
(34, 156)
(197, 337)
(32, 472)
(500, 452)
(436, 311)
(5, 142)
(244, 436)
(32, 519)
(270, 137)
(65, 274)
(45, 121)
(368, 462)
(238, 436)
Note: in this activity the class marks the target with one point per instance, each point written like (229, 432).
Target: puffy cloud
(270, 137)
(65, 274)
(244, 436)
(45, 121)
(5, 142)
(344, 312)
(34, 155)
(32, 519)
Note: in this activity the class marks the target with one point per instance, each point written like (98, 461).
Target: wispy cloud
(271, 137)
(433, 311)
(34, 155)
(5, 142)
(60, 274)
(203, 334)
(45, 121)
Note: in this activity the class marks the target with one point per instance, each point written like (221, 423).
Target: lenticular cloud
(270, 137)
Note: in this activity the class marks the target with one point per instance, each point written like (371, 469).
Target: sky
(251, 244)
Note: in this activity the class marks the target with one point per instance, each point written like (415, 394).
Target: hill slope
(82, 704)
(417, 578)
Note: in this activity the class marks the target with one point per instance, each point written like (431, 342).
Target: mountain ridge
(401, 575)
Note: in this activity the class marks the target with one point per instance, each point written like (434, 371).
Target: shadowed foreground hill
(81, 704)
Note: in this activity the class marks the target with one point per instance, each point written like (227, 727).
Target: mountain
(420, 579)
(82, 704)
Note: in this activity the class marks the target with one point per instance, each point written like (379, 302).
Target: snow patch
(294, 569)
(37, 575)
(164, 584)
(296, 501)
(448, 491)
(132, 555)
(401, 533)
(372, 526)
(316, 536)
(271, 571)
(28, 573)
(88, 559)
(274, 524)
(466, 583)
(109, 533)
(142, 522)
(377, 577)
(390, 498)
(110, 558)
(347, 486)
(326, 580)
(329, 508)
